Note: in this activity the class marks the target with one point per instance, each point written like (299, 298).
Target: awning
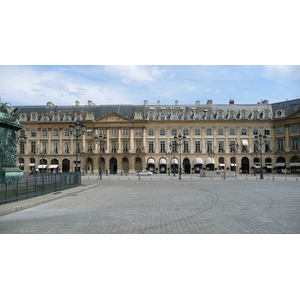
(280, 164)
(162, 161)
(42, 166)
(21, 164)
(222, 165)
(269, 166)
(53, 166)
(31, 165)
(210, 160)
(233, 165)
(245, 142)
(151, 161)
(198, 161)
(257, 167)
(295, 164)
(174, 161)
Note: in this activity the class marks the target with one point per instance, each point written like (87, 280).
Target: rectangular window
(232, 146)
(220, 131)
(162, 146)
(267, 131)
(66, 132)
(101, 132)
(90, 147)
(44, 133)
(197, 131)
(174, 131)
(185, 132)
(244, 131)
(33, 147)
(243, 115)
(173, 115)
(22, 148)
(221, 146)
(138, 132)
(66, 148)
(185, 117)
(280, 144)
(151, 147)
(208, 131)
(197, 147)
(89, 132)
(44, 148)
(113, 145)
(151, 132)
(55, 147)
(255, 131)
(232, 131)
(294, 128)
(208, 146)
(196, 116)
(185, 146)
(125, 146)
(162, 117)
(174, 147)
(208, 116)
(162, 132)
(279, 130)
(266, 115)
(55, 132)
(125, 131)
(138, 146)
(33, 133)
(295, 145)
(267, 147)
(220, 115)
(113, 132)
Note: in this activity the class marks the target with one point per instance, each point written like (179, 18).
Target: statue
(9, 126)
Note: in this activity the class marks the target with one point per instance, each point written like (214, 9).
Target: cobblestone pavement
(166, 205)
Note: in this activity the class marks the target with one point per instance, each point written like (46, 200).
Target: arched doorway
(125, 164)
(245, 165)
(151, 165)
(268, 164)
(280, 164)
(210, 164)
(163, 165)
(221, 163)
(113, 165)
(89, 165)
(66, 165)
(186, 166)
(21, 163)
(174, 165)
(198, 163)
(138, 164)
(102, 166)
(32, 164)
(233, 164)
(54, 165)
(43, 165)
(295, 164)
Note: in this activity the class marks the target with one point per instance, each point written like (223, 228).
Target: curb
(9, 208)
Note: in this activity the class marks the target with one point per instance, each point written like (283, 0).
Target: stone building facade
(138, 137)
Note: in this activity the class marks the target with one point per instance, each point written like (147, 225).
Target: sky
(131, 84)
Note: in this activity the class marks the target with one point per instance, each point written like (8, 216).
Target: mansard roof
(128, 110)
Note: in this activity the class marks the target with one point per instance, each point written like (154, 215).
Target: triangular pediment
(113, 117)
(295, 114)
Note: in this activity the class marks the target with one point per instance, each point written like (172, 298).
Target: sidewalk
(11, 207)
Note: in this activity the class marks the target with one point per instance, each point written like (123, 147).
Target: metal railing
(15, 189)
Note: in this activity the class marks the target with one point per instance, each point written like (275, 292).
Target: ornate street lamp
(234, 148)
(260, 140)
(178, 142)
(22, 139)
(79, 131)
(100, 140)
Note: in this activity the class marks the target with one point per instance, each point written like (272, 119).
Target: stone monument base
(11, 173)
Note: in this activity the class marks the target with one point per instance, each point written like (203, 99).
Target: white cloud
(283, 72)
(130, 74)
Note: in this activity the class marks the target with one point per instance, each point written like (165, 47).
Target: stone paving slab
(161, 205)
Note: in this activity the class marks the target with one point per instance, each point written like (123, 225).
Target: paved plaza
(163, 205)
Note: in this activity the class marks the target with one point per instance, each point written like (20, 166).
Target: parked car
(145, 173)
